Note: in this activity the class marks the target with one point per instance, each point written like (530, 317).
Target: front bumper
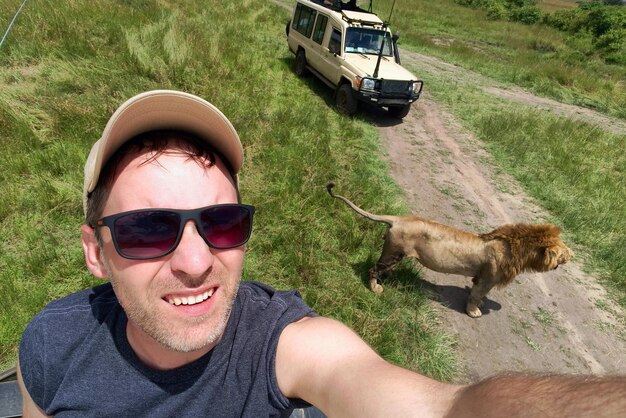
(389, 96)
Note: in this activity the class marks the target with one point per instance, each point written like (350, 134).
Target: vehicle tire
(399, 111)
(301, 70)
(345, 100)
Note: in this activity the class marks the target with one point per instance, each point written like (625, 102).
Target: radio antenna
(390, 12)
(382, 44)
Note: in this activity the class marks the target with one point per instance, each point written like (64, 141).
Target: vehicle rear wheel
(301, 63)
(399, 111)
(345, 100)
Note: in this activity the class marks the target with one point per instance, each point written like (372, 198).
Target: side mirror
(395, 36)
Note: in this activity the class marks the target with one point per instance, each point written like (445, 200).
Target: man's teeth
(190, 300)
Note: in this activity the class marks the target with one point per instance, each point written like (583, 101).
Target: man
(175, 333)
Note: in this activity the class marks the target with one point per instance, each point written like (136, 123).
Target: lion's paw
(473, 312)
(376, 288)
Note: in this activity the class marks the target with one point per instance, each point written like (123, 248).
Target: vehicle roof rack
(360, 18)
(338, 5)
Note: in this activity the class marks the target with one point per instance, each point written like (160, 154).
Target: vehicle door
(316, 53)
(331, 57)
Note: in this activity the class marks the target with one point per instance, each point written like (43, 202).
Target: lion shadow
(407, 277)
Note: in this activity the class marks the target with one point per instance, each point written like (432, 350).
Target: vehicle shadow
(377, 116)
(408, 278)
(314, 83)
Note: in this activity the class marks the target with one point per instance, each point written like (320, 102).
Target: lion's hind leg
(389, 257)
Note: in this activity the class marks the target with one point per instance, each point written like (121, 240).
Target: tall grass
(68, 65)
(540, 58)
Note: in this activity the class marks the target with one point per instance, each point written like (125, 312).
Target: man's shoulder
(258, 300)
(95, 302)
(264, 294)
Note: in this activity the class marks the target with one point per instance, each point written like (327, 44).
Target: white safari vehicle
(352, 51)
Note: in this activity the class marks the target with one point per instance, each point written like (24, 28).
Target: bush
(474, 4)
(612, 41)
(521, 3)
(604, 19)
(496, 11)
(528, 14)
(566, 20)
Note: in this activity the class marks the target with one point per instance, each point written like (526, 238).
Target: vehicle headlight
(368, 84)
(414, 87)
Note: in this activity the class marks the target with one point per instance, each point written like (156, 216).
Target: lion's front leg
(481, 287)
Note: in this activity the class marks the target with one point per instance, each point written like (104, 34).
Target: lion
(491, 259)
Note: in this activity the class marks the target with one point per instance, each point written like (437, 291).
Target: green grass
(67, 65)
(544, 317)
(540, 58)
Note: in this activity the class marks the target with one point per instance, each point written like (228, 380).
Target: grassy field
(67, 65)
(554, 5)
(538, 57)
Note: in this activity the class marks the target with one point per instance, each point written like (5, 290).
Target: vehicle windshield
(367, 41)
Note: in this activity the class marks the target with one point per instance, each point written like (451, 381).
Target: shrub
(604, 19)
(528, 14)
(566, 20)
(496, 11)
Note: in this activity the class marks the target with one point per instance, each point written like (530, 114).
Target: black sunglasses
(152, 233)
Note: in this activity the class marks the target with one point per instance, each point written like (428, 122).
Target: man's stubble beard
(155, 325)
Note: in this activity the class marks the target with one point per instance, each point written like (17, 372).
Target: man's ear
(92, 252)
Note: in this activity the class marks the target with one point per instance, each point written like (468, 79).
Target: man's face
(148, 290)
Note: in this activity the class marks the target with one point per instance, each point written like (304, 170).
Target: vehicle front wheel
(301, 63)
(345, 100)
(399, 111)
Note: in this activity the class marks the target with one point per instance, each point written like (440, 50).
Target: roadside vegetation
(576, 171)
(573, 53)
(67, 65)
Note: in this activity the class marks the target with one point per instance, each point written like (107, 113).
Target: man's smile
(189, 299)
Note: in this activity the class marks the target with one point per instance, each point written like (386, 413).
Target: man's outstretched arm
(325, 363)
(520, 395)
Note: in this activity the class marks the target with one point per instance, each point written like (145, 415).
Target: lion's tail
(378, 218)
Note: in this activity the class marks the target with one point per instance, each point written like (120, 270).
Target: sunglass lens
(226, 226)
(146, 234)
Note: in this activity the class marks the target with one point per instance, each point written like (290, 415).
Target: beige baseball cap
(157, 110)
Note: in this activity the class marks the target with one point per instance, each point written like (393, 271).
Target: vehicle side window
(334, 45)
(320, 28)
(303, 19)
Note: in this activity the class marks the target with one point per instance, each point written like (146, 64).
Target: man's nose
(193, 257)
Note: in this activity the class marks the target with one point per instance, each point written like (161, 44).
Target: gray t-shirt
(76, 361)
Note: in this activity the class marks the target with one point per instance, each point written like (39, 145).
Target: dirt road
(556, 322)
